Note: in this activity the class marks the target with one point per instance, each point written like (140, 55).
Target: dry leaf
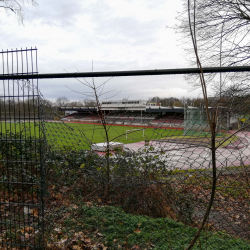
(88, 240)
(61, 241)
(76, 247)
(34, 211)
(57, 229)
(27, 210)
(103, 247)
(137, 230)
(89, 204)
(135, 247)
(79, 234)
(29, 229)
(27, 236)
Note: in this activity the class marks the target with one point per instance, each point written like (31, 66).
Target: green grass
(226, 141)
(96, 133)
(27, 128)
(118, 228)
(81, 135)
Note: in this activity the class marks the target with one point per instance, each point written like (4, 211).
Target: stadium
(140, 113)
(182, 133)
(127, 112)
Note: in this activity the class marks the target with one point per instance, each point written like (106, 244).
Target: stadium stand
(128, 112)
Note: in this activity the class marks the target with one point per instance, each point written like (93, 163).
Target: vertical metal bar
(19, 102)
(42, 160)
(24, 136)
(27, 61)
(36, 61)
(2, 140)
(33, 168)
(10, 156)
(19, 116)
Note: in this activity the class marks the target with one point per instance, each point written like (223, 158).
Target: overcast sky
(115, 34)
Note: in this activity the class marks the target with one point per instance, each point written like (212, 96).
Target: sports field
(83, 135)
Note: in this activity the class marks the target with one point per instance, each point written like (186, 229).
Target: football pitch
(83, 135)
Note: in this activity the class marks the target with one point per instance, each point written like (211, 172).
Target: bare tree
(62, 101)
(222, 35)
(89, 103)
(220, 21)
(178, 104)
(211, 117)
(16, 6)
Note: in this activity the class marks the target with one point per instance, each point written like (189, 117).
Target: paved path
(185, 156)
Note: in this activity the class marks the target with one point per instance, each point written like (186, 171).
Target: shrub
(155, 200)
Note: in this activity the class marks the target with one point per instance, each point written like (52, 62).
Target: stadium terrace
(127, 112)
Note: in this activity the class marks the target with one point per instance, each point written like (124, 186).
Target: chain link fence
(148, 184)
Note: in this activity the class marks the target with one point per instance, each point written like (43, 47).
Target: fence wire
(22, 149)
(151, 190)
(146, 186)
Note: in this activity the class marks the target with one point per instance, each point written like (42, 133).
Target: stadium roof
(149, 109)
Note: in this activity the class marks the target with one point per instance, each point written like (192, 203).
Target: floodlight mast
(125, 73)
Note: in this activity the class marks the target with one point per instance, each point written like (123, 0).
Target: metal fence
(151, 190)
(21, 154)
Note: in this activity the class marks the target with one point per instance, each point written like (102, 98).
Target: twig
(212, 124)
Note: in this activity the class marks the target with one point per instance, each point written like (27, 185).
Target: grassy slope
(118, 227)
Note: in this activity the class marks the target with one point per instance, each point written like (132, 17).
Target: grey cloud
(117, 42)
(54, 13)
(128, 30)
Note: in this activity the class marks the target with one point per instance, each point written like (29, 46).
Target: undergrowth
(116, 229)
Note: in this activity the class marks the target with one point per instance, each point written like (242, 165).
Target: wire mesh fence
(152, 189)
(117, 179)
(21, 155)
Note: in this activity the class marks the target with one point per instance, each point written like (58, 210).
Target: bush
(19, 146)
(21, 159)
(135, 182)
(155, 200)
